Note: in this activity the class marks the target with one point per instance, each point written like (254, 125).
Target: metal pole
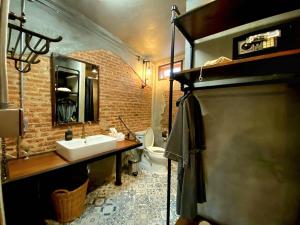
(192, 56)
(129, 131)
(174, 10)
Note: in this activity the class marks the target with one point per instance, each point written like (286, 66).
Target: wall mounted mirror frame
(75, 91)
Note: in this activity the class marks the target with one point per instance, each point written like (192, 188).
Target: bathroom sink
(81, 148)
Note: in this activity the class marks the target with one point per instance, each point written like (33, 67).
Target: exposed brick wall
(120, 94)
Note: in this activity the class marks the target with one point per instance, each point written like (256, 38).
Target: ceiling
(143, 25)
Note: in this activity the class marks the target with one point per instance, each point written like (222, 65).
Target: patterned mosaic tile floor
(141, 200)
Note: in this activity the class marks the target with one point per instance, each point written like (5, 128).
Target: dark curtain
(89, 106)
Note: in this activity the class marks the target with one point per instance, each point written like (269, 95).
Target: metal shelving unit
(218, 16)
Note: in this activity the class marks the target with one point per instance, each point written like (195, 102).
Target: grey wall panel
(252, 157)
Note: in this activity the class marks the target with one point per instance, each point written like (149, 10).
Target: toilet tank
(141, 136)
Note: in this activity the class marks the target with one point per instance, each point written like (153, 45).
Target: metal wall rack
(35, 45)
(218, 16)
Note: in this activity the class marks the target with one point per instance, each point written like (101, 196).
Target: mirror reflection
(75, 90)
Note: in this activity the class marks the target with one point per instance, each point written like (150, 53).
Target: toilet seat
(156, 150)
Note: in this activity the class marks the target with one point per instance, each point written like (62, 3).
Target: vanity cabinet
(27, 191)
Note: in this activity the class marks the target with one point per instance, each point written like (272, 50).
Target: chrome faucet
(83, 133)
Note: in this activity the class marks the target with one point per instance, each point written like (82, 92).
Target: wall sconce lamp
(146, 72)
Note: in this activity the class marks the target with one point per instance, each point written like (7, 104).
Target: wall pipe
(3, 43)
(4, 10)
(22, 63)
(21, 76)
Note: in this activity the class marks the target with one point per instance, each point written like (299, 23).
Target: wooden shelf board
(279, 62)
(45, 162)
(221, 15)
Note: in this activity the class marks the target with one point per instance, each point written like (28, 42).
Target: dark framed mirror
(75, 90)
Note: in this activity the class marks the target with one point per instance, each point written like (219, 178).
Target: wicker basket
(69, 205)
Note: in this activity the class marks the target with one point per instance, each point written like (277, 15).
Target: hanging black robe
(185, 145)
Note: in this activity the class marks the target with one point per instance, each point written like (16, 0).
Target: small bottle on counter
(69, 134)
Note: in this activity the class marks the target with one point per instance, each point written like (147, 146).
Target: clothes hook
(200, 75)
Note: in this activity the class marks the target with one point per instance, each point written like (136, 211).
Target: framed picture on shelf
(164, 70)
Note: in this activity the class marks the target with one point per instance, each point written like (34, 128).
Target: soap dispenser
(69, 134)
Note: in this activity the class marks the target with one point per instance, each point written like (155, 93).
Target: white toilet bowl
(153, 157)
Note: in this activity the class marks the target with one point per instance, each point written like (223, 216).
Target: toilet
(152, 158)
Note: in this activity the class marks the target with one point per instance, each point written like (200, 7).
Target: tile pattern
(141, 200)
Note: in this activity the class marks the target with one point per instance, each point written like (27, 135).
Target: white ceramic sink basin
(82, 148)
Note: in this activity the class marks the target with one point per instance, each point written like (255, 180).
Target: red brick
(120, 94)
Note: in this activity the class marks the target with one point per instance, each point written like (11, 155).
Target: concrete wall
(160, 90)
(252, 156)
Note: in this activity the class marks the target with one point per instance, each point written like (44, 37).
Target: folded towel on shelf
(221, 59)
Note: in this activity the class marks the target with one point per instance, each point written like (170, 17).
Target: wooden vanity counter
(45, 162)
